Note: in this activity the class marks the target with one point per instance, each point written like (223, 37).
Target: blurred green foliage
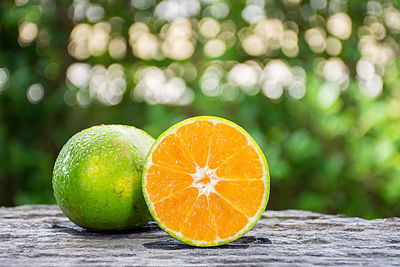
(334, 152)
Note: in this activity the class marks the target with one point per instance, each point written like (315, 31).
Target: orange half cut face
(206, 181)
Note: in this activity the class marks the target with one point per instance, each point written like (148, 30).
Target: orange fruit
(206, 181)
(97, 177)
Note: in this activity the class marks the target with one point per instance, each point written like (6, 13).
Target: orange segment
(170, 153)
(229, 221)
(200, 224)
(173, 210)
(206, 181)
(245, 195)
(197, 139)
(226, 141)
(173, 181)
(244, 165)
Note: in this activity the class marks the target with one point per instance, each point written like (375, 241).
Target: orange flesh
(205, 181)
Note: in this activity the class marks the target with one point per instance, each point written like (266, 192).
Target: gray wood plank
(42, 235)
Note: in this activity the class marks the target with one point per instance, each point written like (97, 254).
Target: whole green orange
(97, 177)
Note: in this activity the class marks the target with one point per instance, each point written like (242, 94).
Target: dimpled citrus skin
(97, 177)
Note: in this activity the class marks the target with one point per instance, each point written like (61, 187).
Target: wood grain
(42, 235)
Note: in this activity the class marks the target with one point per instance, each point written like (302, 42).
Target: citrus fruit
(206, 181)
(97, 177)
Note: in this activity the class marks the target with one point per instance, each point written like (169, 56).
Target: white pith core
(205, 180)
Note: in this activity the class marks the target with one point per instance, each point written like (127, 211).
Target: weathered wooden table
(42, 235)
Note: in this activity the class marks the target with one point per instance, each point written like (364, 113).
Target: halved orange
(206, 181)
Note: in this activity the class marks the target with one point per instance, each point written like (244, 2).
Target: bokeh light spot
(35, 93)
(253, 13)
(78, 74)
(254, 46)
(209, 27)
(245, 75)
(95, 13)
(28, 31)
(4, 76)
(219, 10)
(117, 47)
(315, 38)
(172, 9)
(339, 24)
(156, 88)
(214, 48)
(328, 95)
(333, 46)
